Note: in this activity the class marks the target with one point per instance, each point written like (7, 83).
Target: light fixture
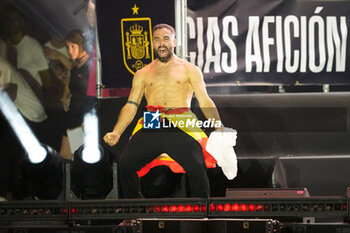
(36, 153)
(92, 180)
(91, 152)
(42, 180)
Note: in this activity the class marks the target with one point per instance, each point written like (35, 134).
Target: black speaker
(207, 226)
(316, 228)
(267, 192)
(322, 175)
(65, 229)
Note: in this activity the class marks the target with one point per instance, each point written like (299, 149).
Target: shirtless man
(168, 81)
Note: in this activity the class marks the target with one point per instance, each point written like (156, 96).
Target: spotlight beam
(36, 153)
(91, 152)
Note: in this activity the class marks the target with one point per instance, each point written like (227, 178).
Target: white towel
(220, 146)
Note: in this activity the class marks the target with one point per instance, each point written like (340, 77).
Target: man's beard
(163, 59)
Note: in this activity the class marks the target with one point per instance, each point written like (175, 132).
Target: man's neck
(16, 38)
(169, 62)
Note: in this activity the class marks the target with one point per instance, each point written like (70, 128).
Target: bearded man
(168, 84)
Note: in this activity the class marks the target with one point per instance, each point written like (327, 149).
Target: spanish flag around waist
(176, 115)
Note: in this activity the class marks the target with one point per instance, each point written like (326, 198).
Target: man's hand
(111, 138)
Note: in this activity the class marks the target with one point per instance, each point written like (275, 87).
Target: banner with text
(269, 42)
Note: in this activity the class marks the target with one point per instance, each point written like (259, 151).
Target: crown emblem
(136, 29)
(136, 39)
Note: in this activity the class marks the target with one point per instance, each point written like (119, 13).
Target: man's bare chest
(165, 78)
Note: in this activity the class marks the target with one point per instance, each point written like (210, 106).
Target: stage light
(165, 208)
(181, 208)
(212, 207)
(91, 152)
(189, 208)
(251, 207)
(92, 180)
(344, 206)
(220, 207)
(173, 208)
(259, 207)
(197, 208)
(156, 209)
(43, 180)
(73, 210)
(36, 153)
(227, 207)
(244, 207)
(235, 207)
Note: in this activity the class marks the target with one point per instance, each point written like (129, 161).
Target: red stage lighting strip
(254, 207)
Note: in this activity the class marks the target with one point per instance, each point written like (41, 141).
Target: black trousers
(146, 145)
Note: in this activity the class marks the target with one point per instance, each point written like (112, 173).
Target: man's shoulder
(186, 64)
(191, 69)
(28, 39)
(144, 70)
(140, 74)
(28, 42)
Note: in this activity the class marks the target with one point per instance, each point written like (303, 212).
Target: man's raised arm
(205, 102)
(128, 112)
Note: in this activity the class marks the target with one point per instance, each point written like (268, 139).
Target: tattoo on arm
(132, 102)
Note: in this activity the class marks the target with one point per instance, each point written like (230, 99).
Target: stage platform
(270, 214)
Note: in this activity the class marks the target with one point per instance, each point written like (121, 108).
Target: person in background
(80, 103)
(60, 65)
(59, 61)
(26, 54)
(30, 55)
(29, 106)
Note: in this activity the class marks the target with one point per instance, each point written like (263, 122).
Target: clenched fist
(111, 138)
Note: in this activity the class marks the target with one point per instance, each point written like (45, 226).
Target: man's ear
(175, 42)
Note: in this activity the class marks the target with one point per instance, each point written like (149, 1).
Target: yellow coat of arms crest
(137, 43)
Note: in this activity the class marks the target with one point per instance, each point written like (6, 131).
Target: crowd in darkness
(50, 79)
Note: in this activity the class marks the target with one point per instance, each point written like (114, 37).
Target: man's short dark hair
(163, 25)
